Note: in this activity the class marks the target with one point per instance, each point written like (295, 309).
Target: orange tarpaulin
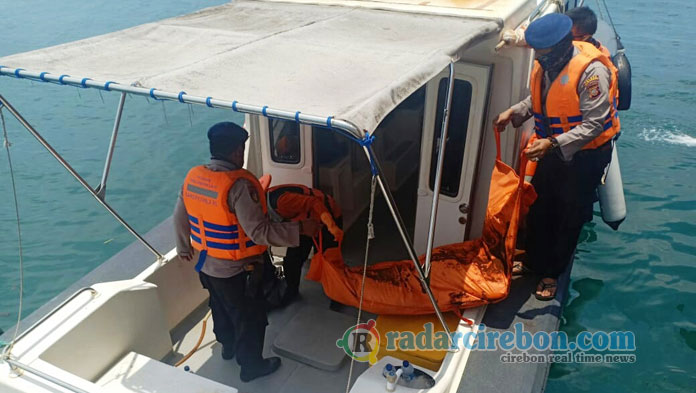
(467, 274)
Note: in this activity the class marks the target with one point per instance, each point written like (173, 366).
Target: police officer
(297, 202)
(585, 26)
(573, 102)
(221, 215)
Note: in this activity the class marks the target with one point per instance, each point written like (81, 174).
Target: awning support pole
(101, 188)
(328, 122)
(77, 176)
(391, 204)
(438, 174)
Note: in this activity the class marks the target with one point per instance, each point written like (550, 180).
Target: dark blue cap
(548, 31)
(225, 138)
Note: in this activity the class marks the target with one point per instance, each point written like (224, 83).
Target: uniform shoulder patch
(591, 79)
(592, 86)
(250, 190)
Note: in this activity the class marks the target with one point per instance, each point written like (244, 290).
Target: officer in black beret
(221, 221)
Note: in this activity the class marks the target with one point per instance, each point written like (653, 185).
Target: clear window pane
(285, 141)
(456, 137)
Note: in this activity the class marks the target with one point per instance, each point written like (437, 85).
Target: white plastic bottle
(387, 370)
(408, 372)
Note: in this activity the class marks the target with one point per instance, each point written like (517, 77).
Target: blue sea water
(641, 278)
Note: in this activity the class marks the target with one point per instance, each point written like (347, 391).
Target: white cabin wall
(254, 160)
(509, 85)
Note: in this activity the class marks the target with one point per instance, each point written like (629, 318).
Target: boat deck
(484, 371)
(293, 376)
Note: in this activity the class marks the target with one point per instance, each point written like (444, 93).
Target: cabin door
(461, 153)
(287, 151)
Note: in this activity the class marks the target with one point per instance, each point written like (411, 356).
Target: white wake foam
(674, 137)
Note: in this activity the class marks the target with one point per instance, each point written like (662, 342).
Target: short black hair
(584, 19)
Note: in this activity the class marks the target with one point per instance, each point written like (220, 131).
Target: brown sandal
(543, 286)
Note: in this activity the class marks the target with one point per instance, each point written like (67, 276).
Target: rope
(8, 350)
(611, 20)
(164, 112)
(370, 236)
(462, 318)
(200, 340)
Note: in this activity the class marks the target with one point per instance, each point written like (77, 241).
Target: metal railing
(438, 174)
(77, 176)
(56, 309)
(17, 365)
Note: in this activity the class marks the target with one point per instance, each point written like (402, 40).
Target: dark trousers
(566, 192)
(292, 265)
(239, 314)
(295, 258)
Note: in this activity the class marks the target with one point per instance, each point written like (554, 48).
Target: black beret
(225, 137)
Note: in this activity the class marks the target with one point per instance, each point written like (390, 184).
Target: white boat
(333, 72)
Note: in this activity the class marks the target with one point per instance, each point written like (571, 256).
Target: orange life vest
(602, 48)
(562, 101)
(297, 202)
(214, 229)
(599, 46)
(275, 194)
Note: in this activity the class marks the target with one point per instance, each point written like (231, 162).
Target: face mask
(546, 60)
(554, 61)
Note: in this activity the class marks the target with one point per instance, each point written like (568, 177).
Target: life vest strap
(573, 121)
(201, 260)
(218, 227)
(222, 235)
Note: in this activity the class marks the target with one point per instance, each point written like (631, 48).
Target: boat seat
(138, 373)
(310, 337)
(430, 359)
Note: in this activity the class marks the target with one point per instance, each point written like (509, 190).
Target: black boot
(267, 366)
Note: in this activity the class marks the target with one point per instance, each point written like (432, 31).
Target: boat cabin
(407, 141)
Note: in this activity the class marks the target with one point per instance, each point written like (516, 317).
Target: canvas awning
(352, 63)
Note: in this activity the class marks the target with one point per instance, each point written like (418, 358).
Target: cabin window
(285, 141)
(456, 137)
